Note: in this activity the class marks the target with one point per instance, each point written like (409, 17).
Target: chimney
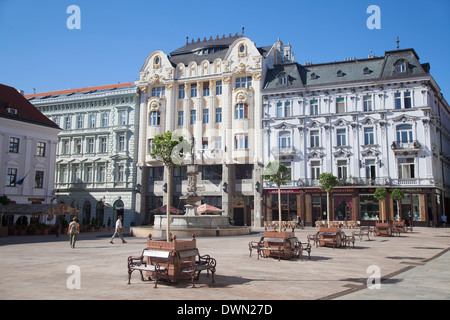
(287, 53)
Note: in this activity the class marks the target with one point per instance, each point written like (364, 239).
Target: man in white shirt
(118, 231)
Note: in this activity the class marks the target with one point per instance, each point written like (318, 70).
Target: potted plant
(381, 194)
(109, 224)
(327, 181)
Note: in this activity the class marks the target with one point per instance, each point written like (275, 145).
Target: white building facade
(28, 150)
(209, 90)
(96, 151)
(374, 122)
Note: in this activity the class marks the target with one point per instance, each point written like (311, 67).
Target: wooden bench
(383, 229)
(399, 226)
(330, 236)
(256, 245)
(155, 262)
(276, 245)
(192, 264)
(363, 231)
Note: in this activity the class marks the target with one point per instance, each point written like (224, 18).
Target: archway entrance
(118, 210)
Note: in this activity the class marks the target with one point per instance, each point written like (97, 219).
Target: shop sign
(285, 191)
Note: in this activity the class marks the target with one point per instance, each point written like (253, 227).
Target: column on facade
(170, 107)
(258, 152)
(227, 137)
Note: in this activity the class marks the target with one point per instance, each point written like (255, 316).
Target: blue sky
(39, 51)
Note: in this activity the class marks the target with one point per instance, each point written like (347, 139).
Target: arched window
(87, 212)
(99, 212)
(118, 209)
(404, 133)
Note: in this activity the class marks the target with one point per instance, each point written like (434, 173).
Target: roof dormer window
(314, 76)
(366, 70)
(283, 78)
(401, 67)
(340, 73)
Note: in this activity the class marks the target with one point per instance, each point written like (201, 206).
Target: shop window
(244, 171)
(369, 207)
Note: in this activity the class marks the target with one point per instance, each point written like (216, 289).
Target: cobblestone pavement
(412, 266)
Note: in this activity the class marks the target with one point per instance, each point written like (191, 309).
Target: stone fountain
(191, 222)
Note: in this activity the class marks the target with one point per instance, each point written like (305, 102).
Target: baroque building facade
(373, 122)
(210, 91)
(97, 149)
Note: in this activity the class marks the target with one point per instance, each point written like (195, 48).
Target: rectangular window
(341, 137)
(213, 172)
(407, 100)
(159, 92)
(181, 92)
(279, 109)
(243, 171)
(241, 141)
(39, 179)
(102, 173)
(241, 111)
(121, 173)
(342, 169)
(104, 120)
(370, 169)
(155, 118)
(80, 122)
(314, 107)
(315, 170)
(65, 147)
(367, 103)
(40, 150)
(123, 118)
(340, 105)
(76, 177)
(67, 125)
(193, 90)
(218, 115)
(88, 174)
(284, 140)
(398, 100)
(218, 144)
(205, 89)
(121, 144)
(90, 145)
(11, 177)
(156, 173)
(14, 145)
(406, 168)
(244, 82)
(180, 118)
(205, 116)
(193, 116)
(63, 175)
(92, 121)
(314, 139)
(368, 136)
(218, 88)
(77, 146)
(103, 145)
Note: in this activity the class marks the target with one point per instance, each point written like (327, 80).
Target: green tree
(397, 195)
(327, 182)
(168, 148)
(381, 194)
(279, 174)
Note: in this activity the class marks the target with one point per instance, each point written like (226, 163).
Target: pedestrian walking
(74, 230)
(118, 230)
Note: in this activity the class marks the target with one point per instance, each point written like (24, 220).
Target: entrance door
(118, 210)
(238, 214)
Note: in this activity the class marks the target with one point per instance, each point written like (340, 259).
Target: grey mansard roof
(346, 71)
(189, 52)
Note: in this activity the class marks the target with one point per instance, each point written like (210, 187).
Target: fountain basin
(200, 225)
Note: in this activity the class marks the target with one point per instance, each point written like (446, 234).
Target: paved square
(413, 265)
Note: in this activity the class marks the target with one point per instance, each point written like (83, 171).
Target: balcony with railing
(284, 151)
(397, 146)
